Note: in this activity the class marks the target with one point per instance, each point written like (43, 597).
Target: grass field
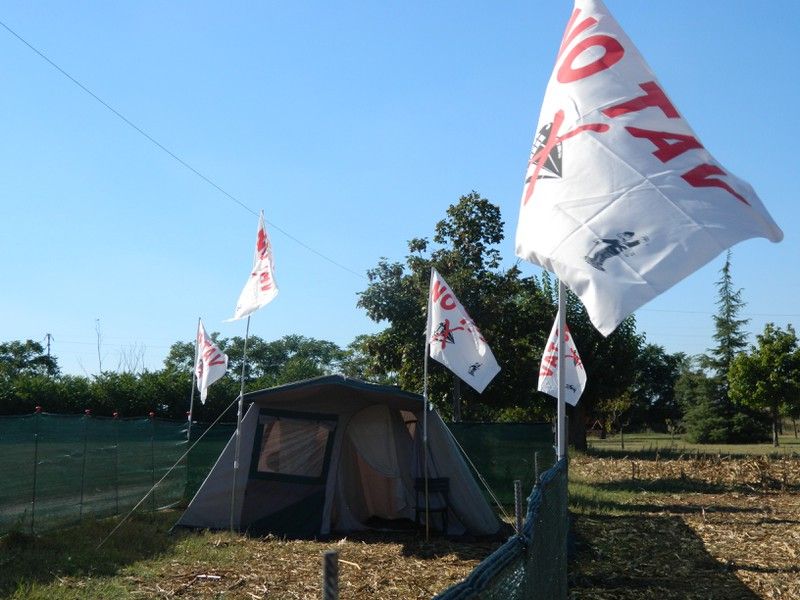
(664, 443)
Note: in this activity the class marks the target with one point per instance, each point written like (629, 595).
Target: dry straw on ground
(693, 527)
(372, 566)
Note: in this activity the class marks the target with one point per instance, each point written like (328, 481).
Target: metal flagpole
(239, 423)
(194, 376)
(561, 438)
(425, 412)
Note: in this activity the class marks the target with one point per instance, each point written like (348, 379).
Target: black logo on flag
(604, 249)
(473, 368)
(550, 164)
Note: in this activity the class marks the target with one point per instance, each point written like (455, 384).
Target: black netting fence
(532, 564)
(503, 452)
(205, 453)
(58, 469)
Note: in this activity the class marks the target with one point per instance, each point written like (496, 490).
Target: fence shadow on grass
(622, 556)
(26, 560)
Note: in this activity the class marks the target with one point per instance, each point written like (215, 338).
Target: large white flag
(260, 288)
(455, 340)
(621, 200)
(211, 363)
(574, 373)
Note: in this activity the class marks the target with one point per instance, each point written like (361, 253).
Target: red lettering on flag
(700, 176)
(613, 50)
(447, 302)
(654, 97)
(660, 139)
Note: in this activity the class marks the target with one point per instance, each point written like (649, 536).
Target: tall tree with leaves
(730, 334)
(768, 378)
(511, 311)
(28, 357)
(715, 417)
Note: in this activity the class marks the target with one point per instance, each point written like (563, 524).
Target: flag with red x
(621, 200)
(454, 340)
(574, 373)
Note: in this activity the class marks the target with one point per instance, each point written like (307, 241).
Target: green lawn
(663, 443)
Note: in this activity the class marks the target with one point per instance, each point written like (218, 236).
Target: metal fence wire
(533, 563)
(59, 469)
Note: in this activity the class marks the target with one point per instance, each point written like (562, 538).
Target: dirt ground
(691, 527)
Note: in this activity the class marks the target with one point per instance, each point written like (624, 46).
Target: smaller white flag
(455, 340)
(574, 373)
(211, 363)
(260, 288)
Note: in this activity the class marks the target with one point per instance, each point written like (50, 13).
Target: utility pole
(99, 337)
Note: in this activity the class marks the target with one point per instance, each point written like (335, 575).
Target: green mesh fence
(532, 564)
(58, 469)
(503, 452)
(203, 455)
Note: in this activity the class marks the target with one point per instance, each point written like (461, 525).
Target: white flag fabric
(621, 200)
(574, 373)
(260, 288)
(211, 363)
(455, 340)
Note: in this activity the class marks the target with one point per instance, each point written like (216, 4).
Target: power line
(174, 156)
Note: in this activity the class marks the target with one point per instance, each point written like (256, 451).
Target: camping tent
(334, 454)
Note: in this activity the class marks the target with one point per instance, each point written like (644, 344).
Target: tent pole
(425, 442)
(194, 375)
(561, 437)
(425, 413)
(239, 424)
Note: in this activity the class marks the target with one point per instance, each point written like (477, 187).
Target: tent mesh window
(292, 446)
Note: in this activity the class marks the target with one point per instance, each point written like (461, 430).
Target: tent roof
(338, 386)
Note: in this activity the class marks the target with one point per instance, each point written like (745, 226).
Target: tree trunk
(456, 399)
(622, 436)
(794, 424)
(577, 426)
(775, 424)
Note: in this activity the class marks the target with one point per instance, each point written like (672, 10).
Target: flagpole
(194, 379)
(239, 423)
(425, 411)
(561, 437)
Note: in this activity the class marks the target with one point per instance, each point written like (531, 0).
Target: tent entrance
(374, 487)
(288, 472)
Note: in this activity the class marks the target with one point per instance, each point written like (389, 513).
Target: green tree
(28, 357)
(694, 393)
(653, 391)
(511, 312)
(730, 335)
(768, 378)
(717, 411)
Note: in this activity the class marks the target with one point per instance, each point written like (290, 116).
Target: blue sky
(353, 125)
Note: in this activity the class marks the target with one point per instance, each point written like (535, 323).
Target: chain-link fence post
(153, 456)
(116, 463)
(518, 506)
(86, 414)
(37, 416)
(330, 575)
